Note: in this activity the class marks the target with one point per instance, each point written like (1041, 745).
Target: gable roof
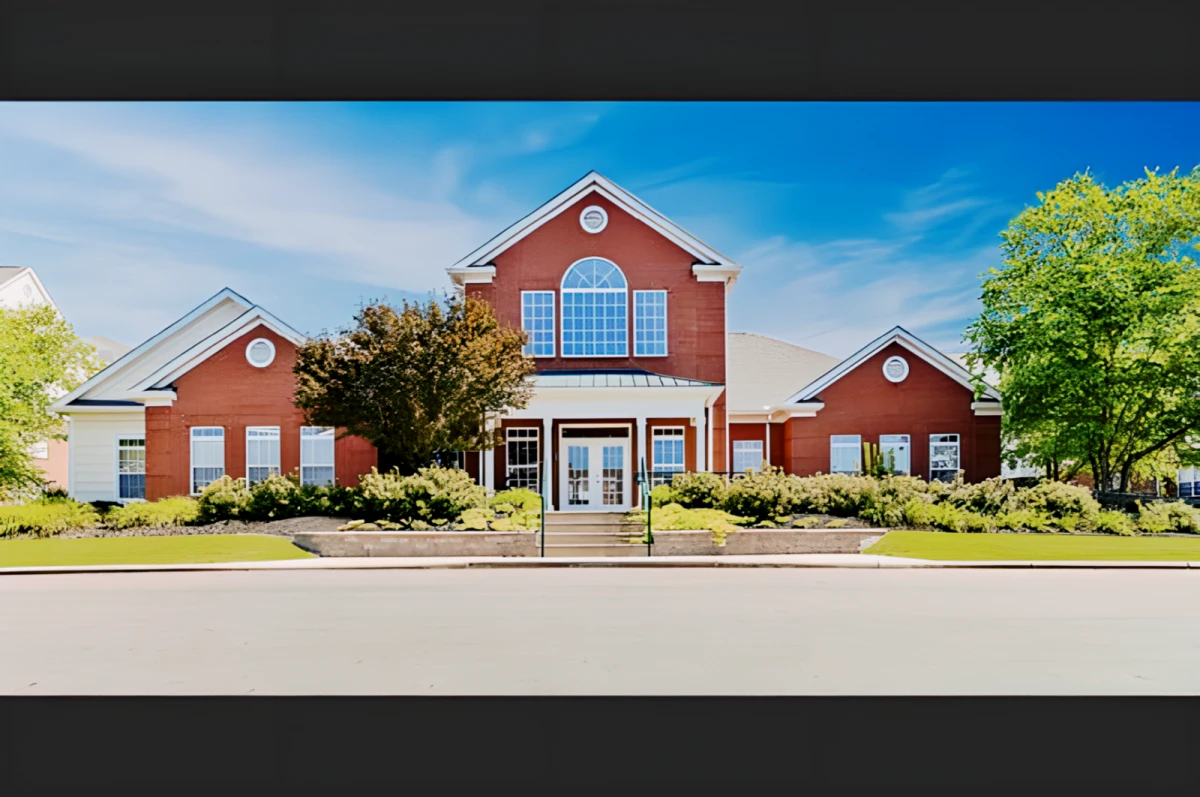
(762, 372)
(174, 350)
(594, 183)
(205, 348)
(909, 341)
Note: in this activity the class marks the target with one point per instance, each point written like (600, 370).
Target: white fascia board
(749, 417)
(472, 274)
(131, 355)
(987, 408)
(102, 408)
(910, 342)
(705, 273)
(591, 183)
(253, 318)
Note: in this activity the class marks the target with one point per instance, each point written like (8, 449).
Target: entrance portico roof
(617, 377)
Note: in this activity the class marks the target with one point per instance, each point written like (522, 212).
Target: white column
(767, 444)
(547, 452)
(488, 463)
(708, 450)
(643, 439)
(701, 441)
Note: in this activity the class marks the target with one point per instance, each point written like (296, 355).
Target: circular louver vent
(260, 352)
(593, 219)
(895, 369)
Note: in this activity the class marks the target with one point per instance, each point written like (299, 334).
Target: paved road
(603, 631)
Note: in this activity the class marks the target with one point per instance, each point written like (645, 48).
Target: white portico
(597, 426)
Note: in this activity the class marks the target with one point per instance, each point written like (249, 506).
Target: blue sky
(848, 218)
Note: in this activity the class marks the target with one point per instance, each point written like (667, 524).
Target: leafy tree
(416, 381)
(1093, 324)
(41, 359)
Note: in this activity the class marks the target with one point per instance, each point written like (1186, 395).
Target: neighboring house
(20, 286)
(626, 315)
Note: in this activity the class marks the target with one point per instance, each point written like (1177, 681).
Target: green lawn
(1031, 547)
(192, 549)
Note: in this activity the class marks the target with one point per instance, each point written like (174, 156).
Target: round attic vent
(593, 219)
(260, 353)
(895, 369)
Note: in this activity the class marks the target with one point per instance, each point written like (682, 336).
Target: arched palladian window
(594, 309)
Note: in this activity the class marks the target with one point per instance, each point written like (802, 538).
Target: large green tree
(416, 381)
(1093, 323)
(41, 359)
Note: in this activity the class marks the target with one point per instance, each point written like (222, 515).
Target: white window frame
(623, 292)
(117, 449)
(748, 445)
(524, 434)
(957, 448)
(529, 350)
(857, 445)
(907, 443)
(192, 456)
(273, 469)
(321, 432)
(637, 316)
(671, 432)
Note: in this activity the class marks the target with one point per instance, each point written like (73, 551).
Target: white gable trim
(128, 357)
(593, 183)
(252, 319)
(21, 272)
(909, 341)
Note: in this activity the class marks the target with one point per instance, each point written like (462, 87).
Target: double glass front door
(595, 473)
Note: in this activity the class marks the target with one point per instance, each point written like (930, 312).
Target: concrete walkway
(464, 562)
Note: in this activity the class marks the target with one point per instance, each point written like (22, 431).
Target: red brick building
(626, 316)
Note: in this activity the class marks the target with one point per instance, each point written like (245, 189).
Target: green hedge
(45, 518)
(907, 501)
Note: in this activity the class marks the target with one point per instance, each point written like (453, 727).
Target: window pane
(650, 323)
(667, 450)
(537, 319)
(747, 455)
(898, 446)
(845, 453)
(523, 467)
(594, 311)
(943, 457)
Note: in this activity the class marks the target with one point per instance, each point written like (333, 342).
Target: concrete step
(619, 549)
(595, 528)
(591, 538)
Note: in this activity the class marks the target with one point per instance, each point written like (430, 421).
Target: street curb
(854, 561)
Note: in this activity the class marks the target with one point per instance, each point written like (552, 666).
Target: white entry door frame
(595, 473)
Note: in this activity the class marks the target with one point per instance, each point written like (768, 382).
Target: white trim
(762, 456)
(131, 355)
(726, 274)
(70, 457)
(653, 432)
(629, 488)
(254, 343)
(903, 363)
(332, 461)
(472, 274)
(909, 341)
(553, 323)
(69, 411)
(278, 438)
(22, 271)
(246, 322)
(562, 322)
(987, 408)
(603, 219)
(192, 456)
(117, 437)
(666, 322)
(590, 183)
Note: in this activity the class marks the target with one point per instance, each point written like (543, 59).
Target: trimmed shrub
(1109, 522)
(431, 495)
(761, 496)
(1159, 517)
(224, 499)
(885, 505)
(946, 517)
(164, 513)
(42, 518)
(989, 497)
(273, 498)
(1026, 520)
(1058, 499)
(662, 495)
(518, 498)
(698, 490)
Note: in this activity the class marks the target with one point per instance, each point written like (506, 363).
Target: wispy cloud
(937, 203)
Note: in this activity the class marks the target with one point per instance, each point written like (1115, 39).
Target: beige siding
(166, 350)
(93, 446)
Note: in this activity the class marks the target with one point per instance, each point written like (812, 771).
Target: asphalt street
(604, 632)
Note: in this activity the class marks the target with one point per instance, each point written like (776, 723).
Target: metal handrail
(644, 482)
